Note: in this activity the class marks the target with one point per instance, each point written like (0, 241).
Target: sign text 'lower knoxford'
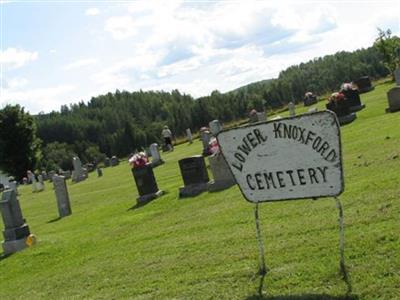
(291, 158)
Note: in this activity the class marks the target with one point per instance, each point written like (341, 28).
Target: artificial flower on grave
(138, 160)
(213, 146)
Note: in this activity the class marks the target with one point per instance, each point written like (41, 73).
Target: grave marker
(61, 191)
(222, 176)
(146, 183)
(78, 174)
(393, 96)
(194, 175)
(189, 135)
(155, 154)
(16, 233)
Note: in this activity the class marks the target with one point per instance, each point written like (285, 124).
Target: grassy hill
(205, 247)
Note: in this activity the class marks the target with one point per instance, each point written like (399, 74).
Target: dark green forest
(121, 122)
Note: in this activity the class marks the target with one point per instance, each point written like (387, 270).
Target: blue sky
(61, 52)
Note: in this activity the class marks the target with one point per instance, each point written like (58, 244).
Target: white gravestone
(292, 109)
(78, 174)
(155, 154)
(40, 184)
(289, 158)
(33, 181)
(189, 135)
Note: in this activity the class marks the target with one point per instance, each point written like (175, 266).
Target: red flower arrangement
(138, 160)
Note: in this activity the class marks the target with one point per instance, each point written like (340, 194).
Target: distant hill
(121, 122)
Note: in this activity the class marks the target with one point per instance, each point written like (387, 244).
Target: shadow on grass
(4, 256)
(54, 220)
(144, 203)
(304, 297)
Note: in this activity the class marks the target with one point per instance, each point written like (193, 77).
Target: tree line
(122, 122)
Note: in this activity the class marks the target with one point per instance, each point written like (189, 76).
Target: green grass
(205, 247)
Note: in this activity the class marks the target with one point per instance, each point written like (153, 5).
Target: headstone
(194, 175)
(364, 84)
(215, 127)
(114, 161)
(352, 96)
(261, 116)
(61, 191)
(189, 135)
(40, 184)
(393, 96)
(310, 99)
(292, 109)
(90, 167)
(66, 174)
(253, 118)
(45, 175)
(24, 180)
(32, 180)
(155, 154)
(146, 183)
(205, 137)
(16, 232)
(341, 108)
(107, 162)
(12, 185)
(397, 76)
(78, 173)
(51, 174)
(99, 172)
(223, 177)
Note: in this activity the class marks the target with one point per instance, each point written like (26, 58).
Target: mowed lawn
(205, 247)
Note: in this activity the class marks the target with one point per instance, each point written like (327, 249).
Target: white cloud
(93, 11)
(52, 51)
(121, 27)
(81, 63)
(16, 82)
(16, 58)
(37, 99)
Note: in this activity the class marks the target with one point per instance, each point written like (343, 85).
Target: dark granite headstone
(15, 231)
(393, 96)
(310, 99)
(342, 111)
(364, 84)
(99, 172)
(352, 96)
(107, 162)
(194, 175)
(146, 183)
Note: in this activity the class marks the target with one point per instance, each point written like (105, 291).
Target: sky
(60, 52)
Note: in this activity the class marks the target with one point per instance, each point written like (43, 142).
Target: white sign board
(292, 158)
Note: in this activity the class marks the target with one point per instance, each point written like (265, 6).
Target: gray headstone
(114, 161)
(78, 174)
(13, 186)
(51, 174)
(189, 135)
(215, 127)
(292, 109)
(155, 154)
(44, 175)
(107, 162)
(393, 96)
(223, 177)
(397, 76)
(261, 117)
(205, 137)
(146, 183)
(61, 191)
(99, 172)
(15, 230)
(32, 179)
(194, 175)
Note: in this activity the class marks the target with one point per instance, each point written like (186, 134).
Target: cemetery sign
(292, 158)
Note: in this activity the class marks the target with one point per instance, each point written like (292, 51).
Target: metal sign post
(286, 159)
